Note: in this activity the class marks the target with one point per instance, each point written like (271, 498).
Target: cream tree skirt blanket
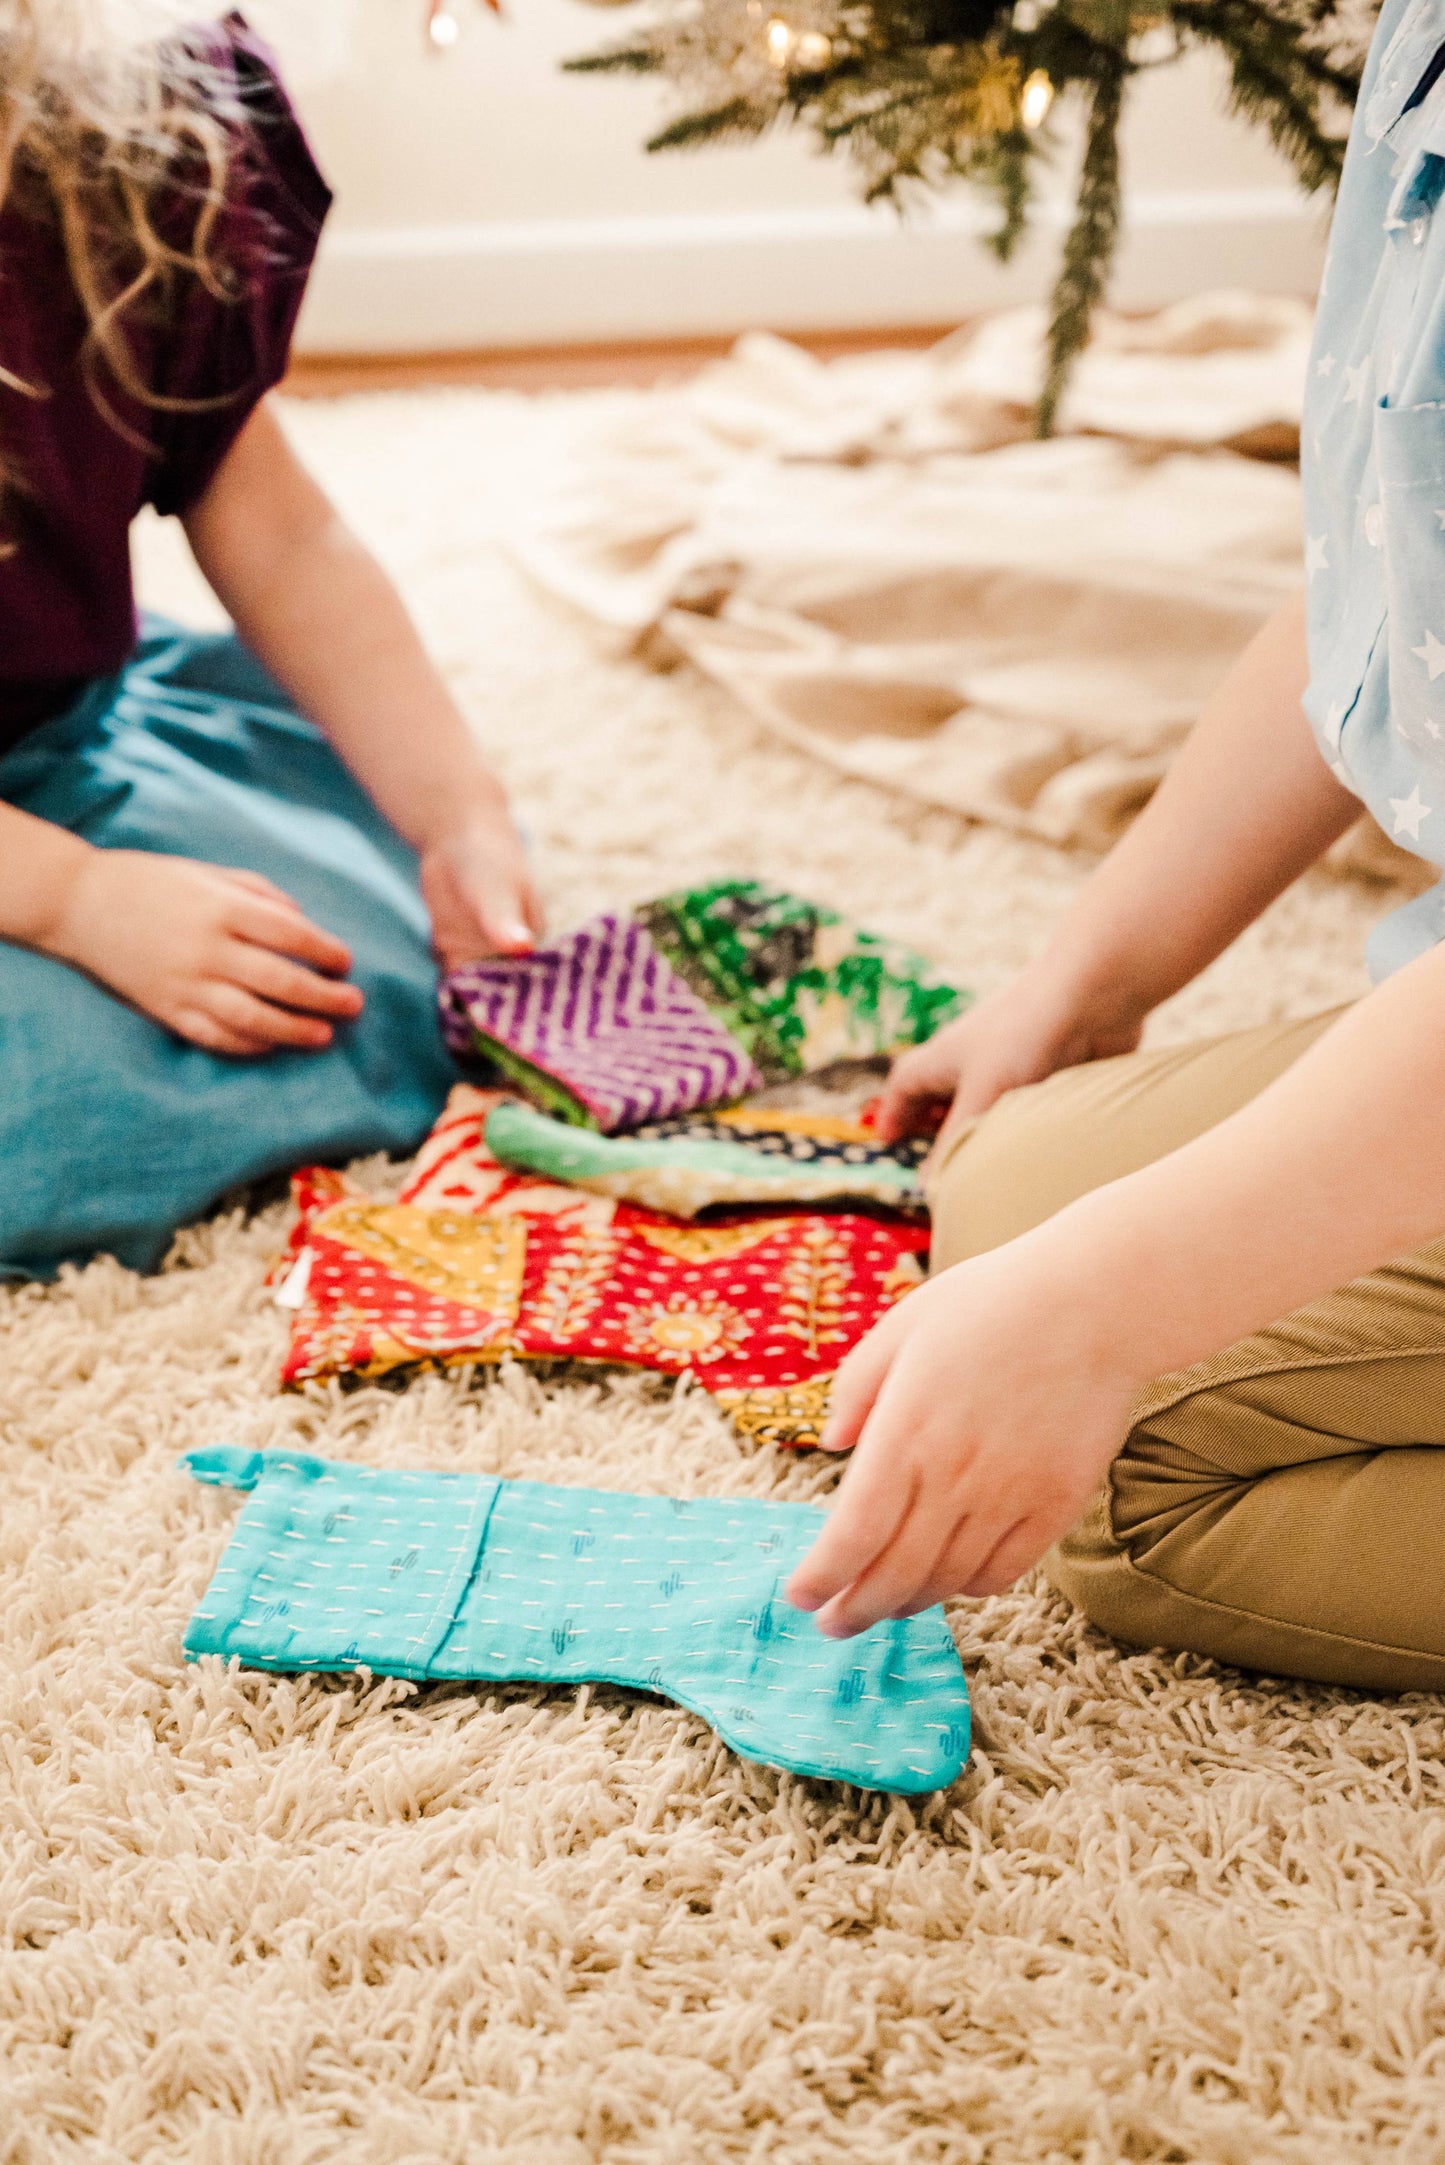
(1169, 1914)
(876, 560)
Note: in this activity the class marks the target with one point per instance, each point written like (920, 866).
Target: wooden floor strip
(562, 368)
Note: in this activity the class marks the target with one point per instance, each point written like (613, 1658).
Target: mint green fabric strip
(529, 1141)
(461, 1576)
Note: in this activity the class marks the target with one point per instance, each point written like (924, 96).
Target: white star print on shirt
(1410, 813)
(1378, 342)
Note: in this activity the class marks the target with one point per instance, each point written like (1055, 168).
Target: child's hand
(985, 1408)
(1031, 1028)
(477, 883)
(222, 958)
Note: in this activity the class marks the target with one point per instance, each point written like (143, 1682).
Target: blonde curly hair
(102, 102)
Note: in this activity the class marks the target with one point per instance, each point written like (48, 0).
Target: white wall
(485, 199)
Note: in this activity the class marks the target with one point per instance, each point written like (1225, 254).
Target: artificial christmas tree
(923, 92)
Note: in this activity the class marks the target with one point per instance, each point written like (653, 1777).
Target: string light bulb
(807, 51)
(443, 29)
(1038, 96)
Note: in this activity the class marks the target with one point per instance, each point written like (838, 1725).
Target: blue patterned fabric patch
(462, 1576)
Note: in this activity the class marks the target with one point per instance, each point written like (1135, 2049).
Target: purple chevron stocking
(605, 1016)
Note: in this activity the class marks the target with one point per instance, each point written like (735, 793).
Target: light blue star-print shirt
(1373, 464)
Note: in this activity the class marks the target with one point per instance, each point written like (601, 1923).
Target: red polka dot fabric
(473, 1262)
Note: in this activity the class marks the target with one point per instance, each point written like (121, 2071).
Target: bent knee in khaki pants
(1281, 1505)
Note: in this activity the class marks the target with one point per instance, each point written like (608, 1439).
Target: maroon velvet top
(67, 611)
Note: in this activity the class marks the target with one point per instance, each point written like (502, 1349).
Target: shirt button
(1375, 525)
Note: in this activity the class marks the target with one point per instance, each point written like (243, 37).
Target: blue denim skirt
(113, 1132)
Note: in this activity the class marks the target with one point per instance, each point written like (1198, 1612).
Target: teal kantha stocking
(456, 1575)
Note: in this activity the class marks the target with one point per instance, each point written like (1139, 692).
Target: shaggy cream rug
(1167, 1914)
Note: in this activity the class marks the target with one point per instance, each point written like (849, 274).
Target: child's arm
(318, 610)
(986, 1408)
(1248, 804)
(989, 1404)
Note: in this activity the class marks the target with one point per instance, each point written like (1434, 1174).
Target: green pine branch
(1237, 24)
(738, 120)
(1011, 178)
(1276, 81)
(1089, 249)
(1291, 118)
(621, 60)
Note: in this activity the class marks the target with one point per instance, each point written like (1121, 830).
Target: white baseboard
(576, 281)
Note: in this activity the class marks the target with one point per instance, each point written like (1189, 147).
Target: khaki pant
(1281, 1505)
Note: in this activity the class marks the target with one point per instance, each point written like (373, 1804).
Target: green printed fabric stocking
(798, 985)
